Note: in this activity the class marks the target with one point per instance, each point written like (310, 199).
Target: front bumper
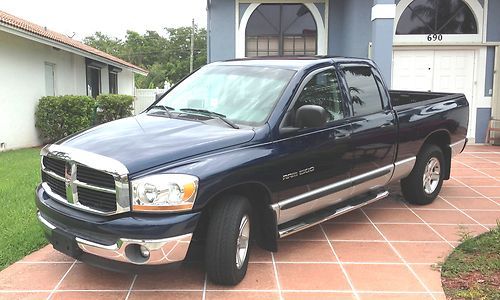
(161, 251)
(124, 239)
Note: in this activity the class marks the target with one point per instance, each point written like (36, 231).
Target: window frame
(383, 90)
(53, 66)
(383, 106)
(435, 17)
(89, 78)
(448, 39)
(302, 85)
(281, 35)
(110, 73)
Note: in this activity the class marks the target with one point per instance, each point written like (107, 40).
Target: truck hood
(143, 141)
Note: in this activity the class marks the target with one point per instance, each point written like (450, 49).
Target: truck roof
(291, 62)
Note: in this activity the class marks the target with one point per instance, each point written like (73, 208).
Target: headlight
(164, 192)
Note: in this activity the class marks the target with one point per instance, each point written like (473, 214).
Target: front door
(93, 81)
(316, 162)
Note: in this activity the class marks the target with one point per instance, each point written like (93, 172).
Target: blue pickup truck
(239, 154)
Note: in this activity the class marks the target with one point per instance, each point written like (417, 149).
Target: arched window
(281, 30)
(437, 17)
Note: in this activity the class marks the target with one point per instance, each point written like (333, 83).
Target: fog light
(144, 251)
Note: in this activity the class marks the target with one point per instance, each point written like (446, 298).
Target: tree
(165, 57)
(105, 43)
(177, 66)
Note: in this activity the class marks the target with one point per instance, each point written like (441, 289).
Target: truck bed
(420, 113)
(404, 99)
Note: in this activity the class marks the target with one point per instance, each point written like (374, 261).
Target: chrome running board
(322, 216)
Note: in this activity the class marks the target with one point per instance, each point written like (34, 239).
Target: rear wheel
(228, 240)
(425, 180)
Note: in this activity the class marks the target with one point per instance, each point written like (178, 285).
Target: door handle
(386, 125)
(340, 135)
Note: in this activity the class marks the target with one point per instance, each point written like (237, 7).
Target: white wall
(22, 84)
(126, 83)
(104, 80)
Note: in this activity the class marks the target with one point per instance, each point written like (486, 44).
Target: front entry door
(315, 161)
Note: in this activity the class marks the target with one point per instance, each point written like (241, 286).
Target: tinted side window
(382, 89)
(323, 90)
(363, 89)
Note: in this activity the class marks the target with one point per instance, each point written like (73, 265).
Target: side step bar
(327, 214)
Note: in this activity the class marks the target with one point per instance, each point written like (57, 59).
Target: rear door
(374, 128)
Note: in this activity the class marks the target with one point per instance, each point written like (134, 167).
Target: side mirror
(311, 116)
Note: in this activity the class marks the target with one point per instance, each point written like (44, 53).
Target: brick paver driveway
(388, 250)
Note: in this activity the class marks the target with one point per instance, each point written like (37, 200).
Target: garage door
(437, 71)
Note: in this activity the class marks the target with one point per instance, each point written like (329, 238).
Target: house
(428, 45)
(37, 62)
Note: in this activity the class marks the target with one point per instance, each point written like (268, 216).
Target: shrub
(60, 116)
(112, 107)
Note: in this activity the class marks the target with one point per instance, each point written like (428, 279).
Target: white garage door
(437, 71)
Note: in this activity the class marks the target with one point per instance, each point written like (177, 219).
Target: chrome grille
(54, 165)
(55, 185)
(94, 177)
(68, 178)
(97, 200)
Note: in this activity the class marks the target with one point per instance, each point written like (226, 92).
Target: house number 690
(434, 37)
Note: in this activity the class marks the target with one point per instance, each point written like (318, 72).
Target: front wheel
(425, 180)
(228, 240)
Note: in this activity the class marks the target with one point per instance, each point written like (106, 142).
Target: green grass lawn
(472, 271)
(20, 233)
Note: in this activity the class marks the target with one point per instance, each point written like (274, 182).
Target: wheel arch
(442, 139)
(259, 195)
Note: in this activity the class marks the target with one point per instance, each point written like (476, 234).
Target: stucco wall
(126, 85)
(493, 28)
(221, 27)
(482, 118)
(349, 28)
(490, 63)
(22, 84)
(349, 25)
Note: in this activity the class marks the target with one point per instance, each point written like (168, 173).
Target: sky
(112, 17)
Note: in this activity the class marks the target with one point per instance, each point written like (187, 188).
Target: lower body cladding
(131, 240)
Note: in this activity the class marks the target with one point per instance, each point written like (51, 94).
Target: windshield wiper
(211, 114)
(164, 108)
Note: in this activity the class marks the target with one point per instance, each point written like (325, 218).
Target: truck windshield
(243, 94)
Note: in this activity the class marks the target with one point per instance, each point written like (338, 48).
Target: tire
(226, 218)
(413, 187)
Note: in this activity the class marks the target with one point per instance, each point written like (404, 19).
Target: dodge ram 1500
(240, 151)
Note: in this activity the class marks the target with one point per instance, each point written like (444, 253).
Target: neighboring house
(428, 45)
(37, 62)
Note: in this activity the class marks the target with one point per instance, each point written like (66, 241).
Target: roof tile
(43, 32)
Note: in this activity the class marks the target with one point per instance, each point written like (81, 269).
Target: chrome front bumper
(161, 251)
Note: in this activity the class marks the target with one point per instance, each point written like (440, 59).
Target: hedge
(60, 116)
(112, 107)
